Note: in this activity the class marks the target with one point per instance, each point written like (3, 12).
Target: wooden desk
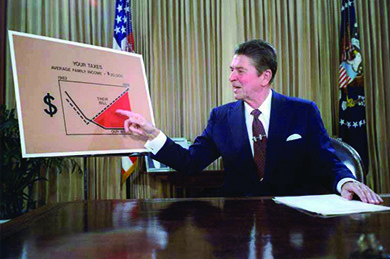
(204, 184)
(188, 228)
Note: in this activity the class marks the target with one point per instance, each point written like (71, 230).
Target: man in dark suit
(270, 144)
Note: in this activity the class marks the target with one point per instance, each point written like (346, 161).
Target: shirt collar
(265, 107)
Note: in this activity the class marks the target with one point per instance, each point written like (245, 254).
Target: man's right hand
(138, 125)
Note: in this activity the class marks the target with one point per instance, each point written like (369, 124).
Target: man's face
(244, 78)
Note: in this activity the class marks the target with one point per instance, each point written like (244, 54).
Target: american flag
(350, 65)
(124, 40)
(123, 26)
(352, 124)
(344, 77)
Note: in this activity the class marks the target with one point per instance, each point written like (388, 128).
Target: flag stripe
(127, 173)
(344, 79)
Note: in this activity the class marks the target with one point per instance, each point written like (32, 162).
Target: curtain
(180, 42)
(375, 26)
(187, 46)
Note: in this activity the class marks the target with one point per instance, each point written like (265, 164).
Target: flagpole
(352, 114)
(123, 40)
(85, 179)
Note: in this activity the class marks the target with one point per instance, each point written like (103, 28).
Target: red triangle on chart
(109, 119)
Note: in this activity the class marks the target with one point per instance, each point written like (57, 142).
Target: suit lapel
(237, 126)
(240, 140)
(281, 117)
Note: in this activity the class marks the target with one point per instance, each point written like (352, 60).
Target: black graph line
(89, 83)
(78, 111)
(108, 106)
(83, 116)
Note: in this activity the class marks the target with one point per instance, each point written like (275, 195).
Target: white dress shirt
(264, 117)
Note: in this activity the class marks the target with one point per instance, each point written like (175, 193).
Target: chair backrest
(350, 157)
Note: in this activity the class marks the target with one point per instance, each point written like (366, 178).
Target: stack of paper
(329, 205)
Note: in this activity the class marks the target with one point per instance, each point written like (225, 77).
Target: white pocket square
(293, 137)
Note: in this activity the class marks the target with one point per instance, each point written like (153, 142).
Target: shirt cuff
(343, 181)
(156, 144)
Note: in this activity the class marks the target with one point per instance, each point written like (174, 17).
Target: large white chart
(67, 94)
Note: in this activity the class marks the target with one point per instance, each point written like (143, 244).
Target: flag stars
(346, 5)
(122, 25)
(361, 100)
(354, 124)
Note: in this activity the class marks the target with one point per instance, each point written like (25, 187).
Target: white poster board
(67, 94)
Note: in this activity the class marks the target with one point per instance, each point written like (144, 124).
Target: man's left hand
(361, 190)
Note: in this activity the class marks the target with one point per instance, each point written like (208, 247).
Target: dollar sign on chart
(52, 108)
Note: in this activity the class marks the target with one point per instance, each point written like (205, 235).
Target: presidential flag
(124, 40)
(352, 123)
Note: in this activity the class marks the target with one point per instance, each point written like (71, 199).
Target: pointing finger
(124, 112)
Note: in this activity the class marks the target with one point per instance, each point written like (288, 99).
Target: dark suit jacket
(292, 167)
